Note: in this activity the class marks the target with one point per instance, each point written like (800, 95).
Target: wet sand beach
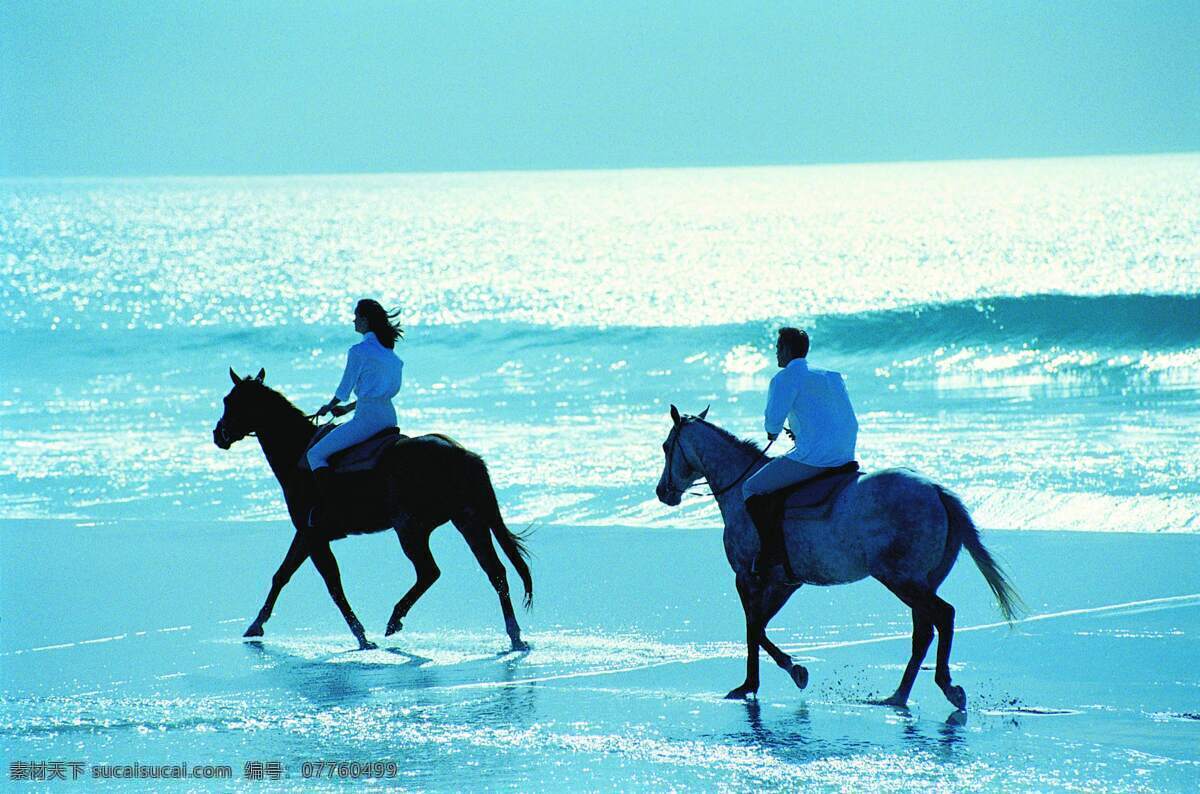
(141, 660)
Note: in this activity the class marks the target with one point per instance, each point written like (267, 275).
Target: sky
(264, 87)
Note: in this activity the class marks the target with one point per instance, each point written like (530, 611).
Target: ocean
(1026, 332)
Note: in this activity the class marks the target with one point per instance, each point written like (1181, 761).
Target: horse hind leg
(479, 538)
(943, 619)
(929, 609)
(415, 543)
(921, 639)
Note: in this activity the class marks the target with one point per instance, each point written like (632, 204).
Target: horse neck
(283, 438)
(722, 461)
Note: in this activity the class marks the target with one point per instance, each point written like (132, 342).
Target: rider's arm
(781, 394)
(349, 377)
(342, 410)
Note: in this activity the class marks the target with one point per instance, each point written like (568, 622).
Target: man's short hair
(795, 339)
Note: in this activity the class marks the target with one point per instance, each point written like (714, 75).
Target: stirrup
(756, 567)
(789, 577)
(314, 517)
(759, 571)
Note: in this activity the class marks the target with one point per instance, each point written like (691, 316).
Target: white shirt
(373, 371)
(818, 410)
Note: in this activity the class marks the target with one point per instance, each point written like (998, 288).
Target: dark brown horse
(418, 485)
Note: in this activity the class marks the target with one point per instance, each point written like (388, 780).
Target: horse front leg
(297, 553)
(773, 599)
(322, 557)
(749, 599)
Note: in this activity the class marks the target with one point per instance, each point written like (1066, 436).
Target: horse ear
(675, 414)
(262, 373)
(234, 377)
(704, 413)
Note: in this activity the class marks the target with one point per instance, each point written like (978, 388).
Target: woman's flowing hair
(381, 322)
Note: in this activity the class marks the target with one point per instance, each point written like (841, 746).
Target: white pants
(370, 416)
(777, 475)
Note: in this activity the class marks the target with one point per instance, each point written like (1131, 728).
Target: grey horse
(894, 525)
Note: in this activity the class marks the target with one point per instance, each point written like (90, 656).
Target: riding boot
(326, 509)
(764, 512)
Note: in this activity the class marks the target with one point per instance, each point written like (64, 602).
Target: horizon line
(591, 169)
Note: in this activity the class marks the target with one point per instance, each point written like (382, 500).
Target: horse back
(890, 519)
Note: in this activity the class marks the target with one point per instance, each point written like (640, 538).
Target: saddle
(814, 498)
(362, 456)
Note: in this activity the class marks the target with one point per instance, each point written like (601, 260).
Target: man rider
(822, 422)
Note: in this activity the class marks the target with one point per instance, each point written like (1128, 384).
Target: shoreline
(538, 526)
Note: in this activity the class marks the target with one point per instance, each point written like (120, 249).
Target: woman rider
(374, 373)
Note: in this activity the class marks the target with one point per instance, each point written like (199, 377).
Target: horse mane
(283, 404)
(744, 444)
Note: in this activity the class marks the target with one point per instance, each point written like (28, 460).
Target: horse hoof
(520, 645)
(799, 674)
(255, 630)
(957, 697)
(366, 645)
(742, 693)
(894, 701)
(392, 628)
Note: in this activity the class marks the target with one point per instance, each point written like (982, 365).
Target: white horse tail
(964, 528)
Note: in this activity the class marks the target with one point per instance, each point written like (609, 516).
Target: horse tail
(512, 543)
(961, 525)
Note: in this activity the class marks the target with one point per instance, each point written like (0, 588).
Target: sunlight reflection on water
(553, 317)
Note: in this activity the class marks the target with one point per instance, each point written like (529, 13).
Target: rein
(713, 492)
(742, 476)
(254, 433)
(310, 417)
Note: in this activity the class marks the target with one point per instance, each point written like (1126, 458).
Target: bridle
(712, 492)
(229, 439)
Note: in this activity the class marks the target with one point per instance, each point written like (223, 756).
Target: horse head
(679, 471)
(243, 409)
